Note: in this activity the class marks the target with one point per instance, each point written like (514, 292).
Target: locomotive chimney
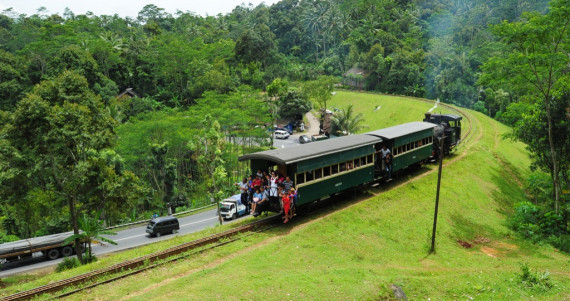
(428, 115)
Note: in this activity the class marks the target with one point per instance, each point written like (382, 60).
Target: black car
(304, 139)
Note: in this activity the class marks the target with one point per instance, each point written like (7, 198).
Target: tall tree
(320, 90)
(51, 135)
(535, 60)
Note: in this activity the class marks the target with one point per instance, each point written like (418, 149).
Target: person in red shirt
(286, 203)
(257, 183)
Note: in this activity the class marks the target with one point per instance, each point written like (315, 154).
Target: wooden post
(441, 140)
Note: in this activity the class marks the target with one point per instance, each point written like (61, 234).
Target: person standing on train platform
(287, 183)
(387, 159)
(286, 206)
(293, 198)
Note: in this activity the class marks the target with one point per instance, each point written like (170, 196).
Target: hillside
(381, 238)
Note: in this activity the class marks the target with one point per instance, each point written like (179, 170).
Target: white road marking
(144, 234)
(215, 217)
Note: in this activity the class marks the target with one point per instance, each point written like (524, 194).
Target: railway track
(147, 262)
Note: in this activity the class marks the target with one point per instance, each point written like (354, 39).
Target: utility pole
(441, 140)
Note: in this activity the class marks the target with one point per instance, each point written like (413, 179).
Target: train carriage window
(334, 169)
(342, 166)
(369, 159)
(300, 178)
(309, 176)
(318, 173)
(363, 161)
(416, 144)
(326, 171)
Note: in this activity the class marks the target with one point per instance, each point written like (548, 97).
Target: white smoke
(434, 106)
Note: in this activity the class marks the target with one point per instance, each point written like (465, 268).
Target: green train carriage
(410, 143)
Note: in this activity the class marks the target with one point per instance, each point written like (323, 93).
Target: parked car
(280, 134)
(162, 225)
(290, 131)
(304, 139)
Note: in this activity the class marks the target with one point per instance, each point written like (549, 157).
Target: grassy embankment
(357, 251)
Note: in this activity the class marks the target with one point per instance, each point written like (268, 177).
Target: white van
(279, 134)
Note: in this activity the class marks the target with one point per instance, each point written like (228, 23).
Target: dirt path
(312, 127)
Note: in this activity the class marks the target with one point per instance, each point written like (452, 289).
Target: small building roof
(402, 130)
(128, 92)
(285, 156)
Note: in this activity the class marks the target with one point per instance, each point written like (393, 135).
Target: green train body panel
(412, 157)
(315, 190)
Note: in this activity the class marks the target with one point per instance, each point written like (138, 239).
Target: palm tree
(346, 122)
(91, 231)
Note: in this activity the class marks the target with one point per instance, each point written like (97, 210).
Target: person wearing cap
(292, 197)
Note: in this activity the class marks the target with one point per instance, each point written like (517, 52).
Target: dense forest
(119, 116)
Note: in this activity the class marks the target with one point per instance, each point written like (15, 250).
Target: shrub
(67, 263)
(534, 279)
(561, 242)
(525, 220)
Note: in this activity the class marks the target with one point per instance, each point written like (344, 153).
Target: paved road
(126, 239)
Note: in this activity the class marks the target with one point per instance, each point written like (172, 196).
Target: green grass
(357, 248)
(393, 110)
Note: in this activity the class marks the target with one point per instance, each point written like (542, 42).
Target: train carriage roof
(402, 130)
(284, 156)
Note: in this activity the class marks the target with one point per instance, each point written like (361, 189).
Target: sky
(126, 8)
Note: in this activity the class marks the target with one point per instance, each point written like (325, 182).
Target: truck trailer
(51, 247)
